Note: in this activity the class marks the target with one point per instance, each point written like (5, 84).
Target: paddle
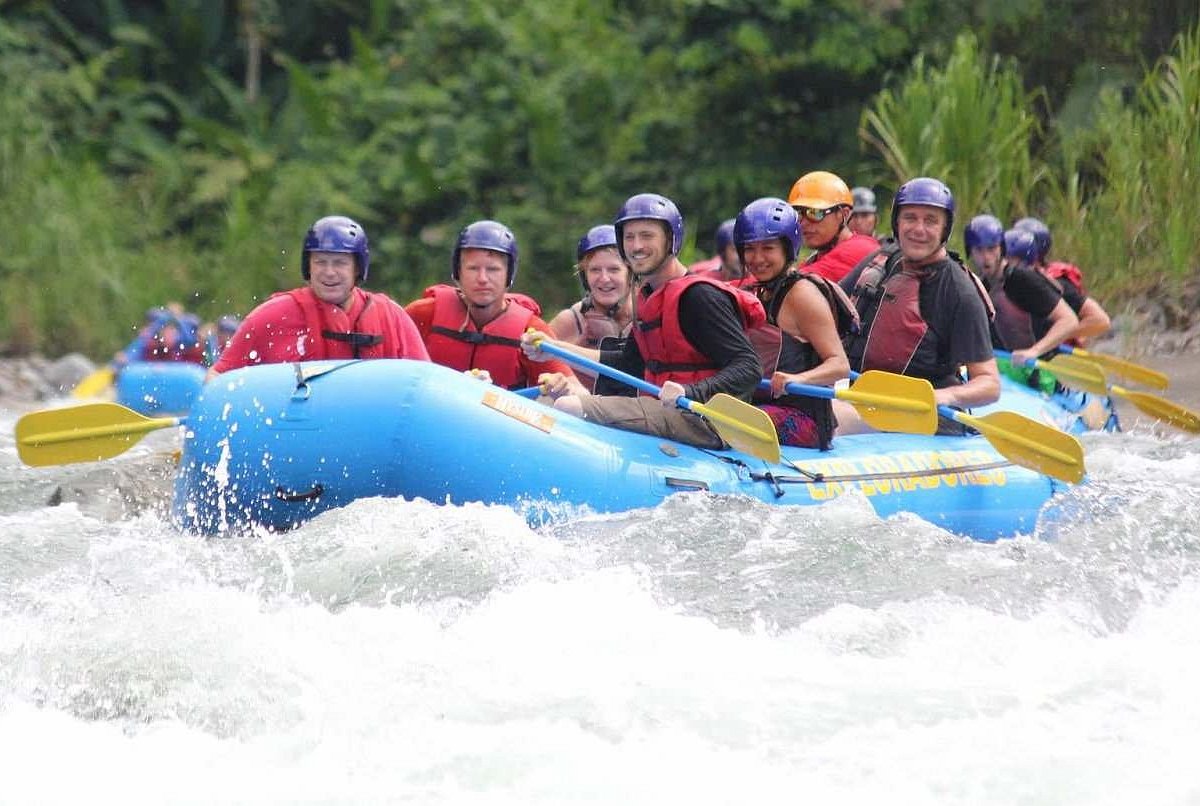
(1024, 441)
(886, 401)
(1122, 367)
(94, 383)
(746, 428)
(85, 433)
(1081, 374)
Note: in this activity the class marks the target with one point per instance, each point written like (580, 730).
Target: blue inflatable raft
(159, 387)
(275, 445)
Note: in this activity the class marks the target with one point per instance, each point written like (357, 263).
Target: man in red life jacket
(1093, 319)
(330, 317)
(605, 313)
(689, 337)
(923, 313)
(864, 216)
(1031, 316)
(477, 323)
(824, 205)
(801, 334)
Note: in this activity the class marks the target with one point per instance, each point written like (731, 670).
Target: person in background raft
(605, 313)
(330, 317)
(864, 215)
(823, 202)
(923, 313)
(689, 335)
(725, 264)
(216, 337)
(169, 334)
(1093, 319)
(802, 333)
(476, 324)
(1031, 316)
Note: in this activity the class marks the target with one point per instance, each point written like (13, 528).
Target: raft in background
(275, 445)
(159, 387)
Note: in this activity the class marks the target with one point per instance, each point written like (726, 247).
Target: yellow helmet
(820, 190)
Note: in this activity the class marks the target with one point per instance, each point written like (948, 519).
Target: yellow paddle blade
(748, 429)
(94, 384)
(1127, 369)
(1171, 413)
(85, 433)
(890, 402)
(1028, 443)
(1077, 373)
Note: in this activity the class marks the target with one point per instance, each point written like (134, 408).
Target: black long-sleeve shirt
(709, 320)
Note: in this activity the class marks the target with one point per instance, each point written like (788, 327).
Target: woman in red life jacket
(476, 324)
(824, 205)
(330, 317)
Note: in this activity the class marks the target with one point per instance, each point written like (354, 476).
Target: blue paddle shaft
(612, 372)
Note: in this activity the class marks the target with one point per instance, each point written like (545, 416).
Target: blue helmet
(766, 219)
(656, 208)
(983, 231)
(927, 191)
(1041, 234)
(724, 234)
(597, 237)
(337, 233)
(1021, 244)
(490, 235)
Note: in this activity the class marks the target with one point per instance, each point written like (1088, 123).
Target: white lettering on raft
(957, 465)
(519, 411)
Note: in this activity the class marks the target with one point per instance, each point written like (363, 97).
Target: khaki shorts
(647, 415)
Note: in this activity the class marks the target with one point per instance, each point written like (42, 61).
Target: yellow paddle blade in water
(746, 428)
(1127, 369)
(1161, 408)
(890, 402)
(1028, 443)
(94, 384)
(85, 433)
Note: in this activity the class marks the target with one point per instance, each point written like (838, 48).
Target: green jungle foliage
(178, 149)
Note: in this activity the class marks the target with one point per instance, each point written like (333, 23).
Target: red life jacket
(1013, 324)
(331, 334)
(454, 340)
(667, 353)
(1058, 271)
(842, 258)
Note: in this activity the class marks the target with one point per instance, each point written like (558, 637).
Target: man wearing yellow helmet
(824, 204)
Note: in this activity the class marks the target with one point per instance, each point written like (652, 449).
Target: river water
(705, 651)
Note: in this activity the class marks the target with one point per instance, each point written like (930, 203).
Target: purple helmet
(927, 191)
(656, 208)
(337, 233)
(724, 234)
(597, 237)
(490, 235)
(984, 230)
(1021, 244)
(1041, 234)
(765, 219)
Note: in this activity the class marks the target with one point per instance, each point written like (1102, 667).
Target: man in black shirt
(688, 336)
